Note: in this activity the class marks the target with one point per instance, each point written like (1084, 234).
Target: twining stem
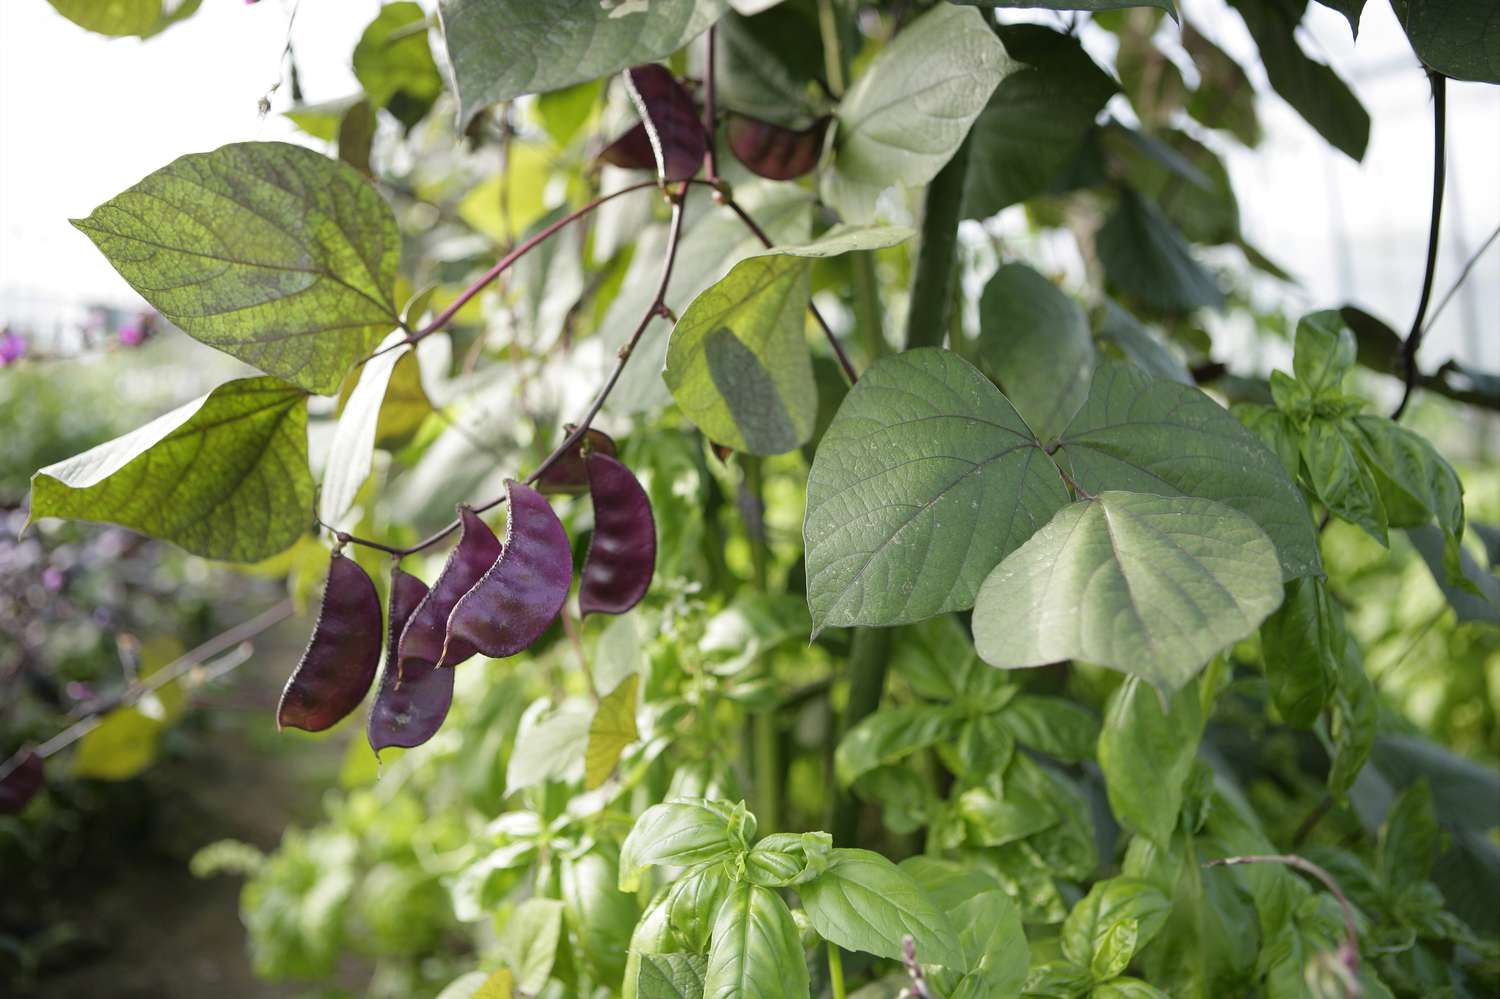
(656, 308)
(867, 666)
(765, 240)
(504, 263)
(1439, 158)
(937, 257)
(833, 59)
(229, 644)
(710, 109)
(764, 737)
(1350, 950)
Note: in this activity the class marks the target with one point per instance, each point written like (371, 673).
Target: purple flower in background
(138, 330)
(53, 578)
(12, 347)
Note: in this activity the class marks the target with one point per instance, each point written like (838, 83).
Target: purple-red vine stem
(1350, 949)
(657, 308)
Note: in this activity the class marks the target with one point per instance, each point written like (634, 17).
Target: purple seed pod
(422, 641)
(775, 152)
(622, 556)
(670, 138)
(21, 785)
(522, 592)
(568, 475)
(340, 662)
(409, 707)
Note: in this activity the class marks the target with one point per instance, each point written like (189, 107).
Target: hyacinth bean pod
(622, 555)
(773, 151)
(515, 601)
(670, 137)
(569, 474)
(341, 658)
(425, 637)
(21, 785)
(409, 707)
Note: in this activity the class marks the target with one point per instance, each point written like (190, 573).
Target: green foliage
(633, 806)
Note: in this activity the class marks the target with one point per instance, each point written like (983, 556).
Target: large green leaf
(907, 113)
(1146, 750)
(1035, 120)
(224, 476)
(500, 49)
(1301, 645)
(125, 17)
(926, 478)
(1224, 97)
(756, 952)
(1454, 37)
(737, 360)
(1416, 483)
(864, 902)
(1148, 435)
(887, 736)
(1152, 586)
(270, 252)
(1316, 93)
(529, 942)
(1034, 340)
(713, 240)
(994, 947)
(394, 63)
(1144, 254)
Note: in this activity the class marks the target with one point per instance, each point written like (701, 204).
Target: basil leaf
(756, 951)
(864, 902)
(1146, 750)
(674, 833)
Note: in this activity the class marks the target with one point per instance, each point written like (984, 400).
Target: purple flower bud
(132, 335)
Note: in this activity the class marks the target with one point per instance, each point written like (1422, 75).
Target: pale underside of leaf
(1148, 585)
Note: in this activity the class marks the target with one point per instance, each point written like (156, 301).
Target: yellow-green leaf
(612, 729)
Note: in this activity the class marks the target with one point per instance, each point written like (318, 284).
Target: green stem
(763, 733)
(867, 665)
(937, 258)
(836, 971)
(867, 314)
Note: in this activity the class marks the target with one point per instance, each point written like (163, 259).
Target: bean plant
(792, 521)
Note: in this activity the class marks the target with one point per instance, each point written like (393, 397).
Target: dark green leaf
(1196, 196)
(889, 735)
(1225, 97)
(1149, 585)
(500, 49)
(766, 63)
(1155, 436)
(1139, 344)
(1301, 645)
(1479, 600)
(756, 952)
(1416, 483)
(783, 859)
(1053, 725)
(394, 64)
(1354, 718)
(906, 114)
(1146, 752)
(269, 252)
(864, 902)
(1339, 479)
(1035, 121)
(925, 480)
(1144, 255)
(1409, 839)
(1454, 37)
(224, 476)
(1034, 340)
(1315, 91)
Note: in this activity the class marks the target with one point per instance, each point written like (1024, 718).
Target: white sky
(83, 117)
